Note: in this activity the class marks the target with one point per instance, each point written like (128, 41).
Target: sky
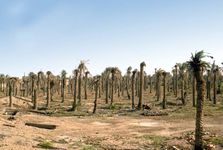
(42, 35)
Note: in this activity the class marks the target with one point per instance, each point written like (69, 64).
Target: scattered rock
(148, 113)
(10, 111)
(11, 118)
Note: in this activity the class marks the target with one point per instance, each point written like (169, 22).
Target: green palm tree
(198, 65)
(63, 84)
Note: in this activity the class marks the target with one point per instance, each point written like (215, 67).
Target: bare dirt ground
(115, 128)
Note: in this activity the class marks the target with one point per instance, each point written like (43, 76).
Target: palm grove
(195, 77)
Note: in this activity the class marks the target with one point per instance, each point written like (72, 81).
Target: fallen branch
(44, 126)
(23, 98)
(40, 112)
(8, 125)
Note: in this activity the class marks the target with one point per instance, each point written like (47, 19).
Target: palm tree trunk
(35, 99)
(75, 92)
(136, 86)
(96, 97)
(62, 90)
(99, 89)
(141, 86)
(133, 90)
(182, 91)
(112, 89)
(173, 84)
(176, 82)
(164, 90)
(199, 110)
(79, 89)
(10, 96)
(214, 88)
(85, 86)
(107, 91)
(48, 93)
(193, 90)
(158, 88)
(127, 87)
(150, 83)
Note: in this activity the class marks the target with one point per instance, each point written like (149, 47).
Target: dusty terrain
(110, 128)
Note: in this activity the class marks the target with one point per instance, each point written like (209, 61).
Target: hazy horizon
(55, 35)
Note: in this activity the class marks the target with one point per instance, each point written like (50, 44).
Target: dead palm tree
(176, 80)
(48, 88)
(76, 72)
(128, 74)
(113, 71)
(2, 77)
(96, 82)
(215, 71)
(150, 84)
(133, 88)
(164, 89)
(182, 69)
(63, 84)
(11, 82)
(158, 83)
(198, 65)
(86, 82)
(142, 65)
(82, 68)
(40, 78)
(34, 89)
(107, 75)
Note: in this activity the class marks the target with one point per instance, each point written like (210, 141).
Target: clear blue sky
(56, 34)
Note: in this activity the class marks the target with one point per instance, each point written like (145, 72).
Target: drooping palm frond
(196, 63)
(63, 73)
(82, 67)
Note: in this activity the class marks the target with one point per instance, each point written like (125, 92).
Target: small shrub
(45, 144)
(217, 141)
(88, 147)
(156, 140)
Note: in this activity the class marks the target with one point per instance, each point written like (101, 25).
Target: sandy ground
(115, 132)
